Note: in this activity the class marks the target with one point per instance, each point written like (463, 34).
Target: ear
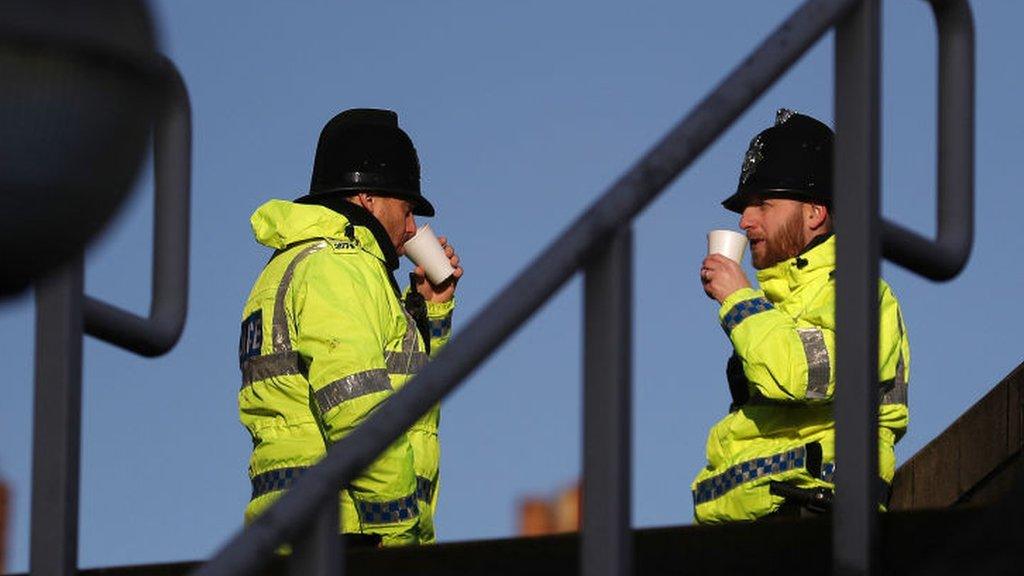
(365, 200)
(816, 215)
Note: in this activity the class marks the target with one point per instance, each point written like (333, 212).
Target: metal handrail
(156, 334)
(251, 548)
(63, 312)
(172, 141)
(595, 243)
(866, 236)
(857, 96)
(945, 257)
(606, 547)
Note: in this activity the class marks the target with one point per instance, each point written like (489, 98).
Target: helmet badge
(755, 153)
(782, 115)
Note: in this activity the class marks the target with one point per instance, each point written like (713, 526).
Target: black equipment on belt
(817, 500)
(416, 306)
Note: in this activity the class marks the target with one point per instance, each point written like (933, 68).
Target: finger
(727, 262)
(458, 272)
(717, 259)
(443, 240)
(449, 251)
(454, 260)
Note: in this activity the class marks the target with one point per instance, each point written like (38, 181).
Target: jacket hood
(819, 257)
(278, 224)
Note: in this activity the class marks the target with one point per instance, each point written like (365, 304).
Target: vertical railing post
(606, 544)
(57, 417)
(857, 89)
(318, 550)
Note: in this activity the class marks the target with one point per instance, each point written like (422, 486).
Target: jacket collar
(816, 259)
(280, 224)
(357, 217)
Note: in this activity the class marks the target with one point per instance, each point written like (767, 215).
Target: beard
(783, 245)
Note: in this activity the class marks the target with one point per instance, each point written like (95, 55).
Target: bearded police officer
(326, 336)
(773, 453)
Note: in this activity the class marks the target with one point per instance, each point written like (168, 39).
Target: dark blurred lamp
(77, 103)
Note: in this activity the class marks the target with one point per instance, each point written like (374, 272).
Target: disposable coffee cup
(728, 243)
(425, 251)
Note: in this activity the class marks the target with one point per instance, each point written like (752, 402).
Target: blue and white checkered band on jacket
(440, 327)
(388, 512)
(746, 471)
(743, 310)
(274, 480)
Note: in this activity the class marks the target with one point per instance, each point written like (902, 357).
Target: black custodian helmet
(364, 150)
(792, 159)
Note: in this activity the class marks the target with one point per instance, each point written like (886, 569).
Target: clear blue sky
(523, 112)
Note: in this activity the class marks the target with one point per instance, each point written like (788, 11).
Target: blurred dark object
(77, 103)
(4, 507)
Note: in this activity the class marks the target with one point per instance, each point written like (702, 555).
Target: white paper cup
(425, 251)
(728, 243)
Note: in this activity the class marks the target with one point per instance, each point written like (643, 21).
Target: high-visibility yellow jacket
(782, 375)
(325, 340)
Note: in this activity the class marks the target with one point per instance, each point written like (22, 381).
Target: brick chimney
(539, 515)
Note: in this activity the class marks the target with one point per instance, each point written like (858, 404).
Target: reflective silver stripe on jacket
(405, 362)
(388, 512)
(746, 471)
(352, 386)
(743, 310)
(895, 391)
(410, 359)
(818, 364)
(282, 361)
(424, 489)
(271, 366)
(280, 479)
(280, 337)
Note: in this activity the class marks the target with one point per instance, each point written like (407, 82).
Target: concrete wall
(975, 460)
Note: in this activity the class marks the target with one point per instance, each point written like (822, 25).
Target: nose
(410, 226)
(747, 218)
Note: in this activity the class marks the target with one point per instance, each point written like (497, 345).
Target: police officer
(327, 337)
(773, 453)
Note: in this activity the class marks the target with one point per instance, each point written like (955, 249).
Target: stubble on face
(400, 224)
(784, 244)
(395, 216)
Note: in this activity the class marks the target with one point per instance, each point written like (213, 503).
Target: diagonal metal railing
(598, 243)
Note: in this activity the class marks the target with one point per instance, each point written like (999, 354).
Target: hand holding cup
(728, 243)
(720, 272)
(426, 252)
(437, 265)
